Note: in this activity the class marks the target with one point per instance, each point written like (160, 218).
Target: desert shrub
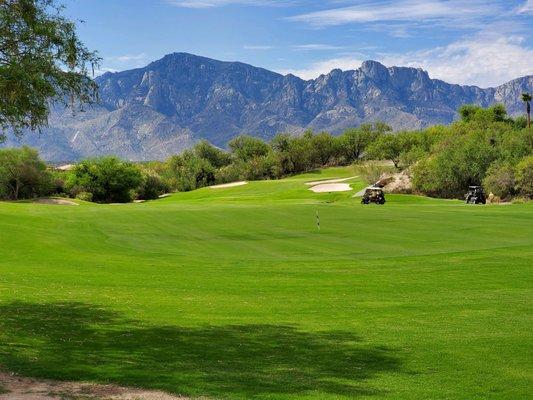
(372, 171)
(151, 187)
(266, 167)
(23, 174)
(354, 141)
(325, 149)
(524, 177)
(295, 153)
(474, 113)
(514, 145)
(245, 147)
(500, 180)
(412, 156)
(386, 147)
(229, 173)
(460, 161)
(402, 149)
(57, 182)
(217, 158)
(109, 179)
(85, 196)
(187, 172)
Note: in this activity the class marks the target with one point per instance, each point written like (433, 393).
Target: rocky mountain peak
(152, 112)
(374, 70)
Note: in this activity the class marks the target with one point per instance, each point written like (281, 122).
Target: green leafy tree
(151, 187)
(524, 177)
(217, 158)
(41, 60)
(460, 161)
(526, 98)
(324, 148)
(108, 179)
(386, 147)
(282, 145)
(245, 147)
(187, 172)
(353, 142)
(23, 174)
(495, 113)
(500, 180)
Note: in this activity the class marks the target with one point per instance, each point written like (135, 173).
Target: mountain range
(152, 112)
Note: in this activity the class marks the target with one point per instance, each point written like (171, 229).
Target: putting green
(234, 294)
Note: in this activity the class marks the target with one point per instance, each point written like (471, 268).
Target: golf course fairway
(234, 293)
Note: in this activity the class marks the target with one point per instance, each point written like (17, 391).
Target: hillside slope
(152, 112)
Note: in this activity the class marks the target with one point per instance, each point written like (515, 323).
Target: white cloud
(219, 3)
(122, 62)
(414, 11)
(325, 66)
(485, 60)
(257, 47)
(316, 46)
(101, 71)
(128, 58)
(526, 8)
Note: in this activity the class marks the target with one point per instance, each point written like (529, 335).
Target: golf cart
(475, 195)
(373, 195)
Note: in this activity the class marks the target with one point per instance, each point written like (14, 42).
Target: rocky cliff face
(152, 112)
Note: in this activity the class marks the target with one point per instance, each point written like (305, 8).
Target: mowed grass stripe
(234, 293)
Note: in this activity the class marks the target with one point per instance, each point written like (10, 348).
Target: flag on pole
(317, 220)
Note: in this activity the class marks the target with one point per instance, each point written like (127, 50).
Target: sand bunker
(227, 185)
(20, 388)
(57, 202)
(331, 187)
(336, 180)
(66, 167)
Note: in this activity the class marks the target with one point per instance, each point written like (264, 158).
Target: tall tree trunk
(528, 110)
(16, 190)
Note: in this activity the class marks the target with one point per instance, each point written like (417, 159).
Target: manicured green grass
(234, 294)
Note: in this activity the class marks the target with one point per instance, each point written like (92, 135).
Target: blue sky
(481, 42)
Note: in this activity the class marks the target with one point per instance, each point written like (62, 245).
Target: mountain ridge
(162, 108)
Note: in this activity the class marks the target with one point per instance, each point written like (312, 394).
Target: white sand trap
(164, 195)
(331, 187)
(66, 167)
(227, 185)
(57, 202)
(335, 180)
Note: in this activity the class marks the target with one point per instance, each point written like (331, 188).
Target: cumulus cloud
(485, 60)
(325, 66)
(413, 11)
(101, 71)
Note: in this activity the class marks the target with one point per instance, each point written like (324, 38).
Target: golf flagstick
(317, 220)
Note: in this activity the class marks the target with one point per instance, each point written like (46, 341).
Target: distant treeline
(484, 147)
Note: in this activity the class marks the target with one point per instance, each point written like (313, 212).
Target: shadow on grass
(77, 341)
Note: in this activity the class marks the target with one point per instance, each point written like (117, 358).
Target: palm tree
(526, 98)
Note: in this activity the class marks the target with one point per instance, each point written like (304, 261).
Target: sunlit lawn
(234, 293)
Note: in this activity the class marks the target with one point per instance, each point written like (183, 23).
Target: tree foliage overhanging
(41, 60)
